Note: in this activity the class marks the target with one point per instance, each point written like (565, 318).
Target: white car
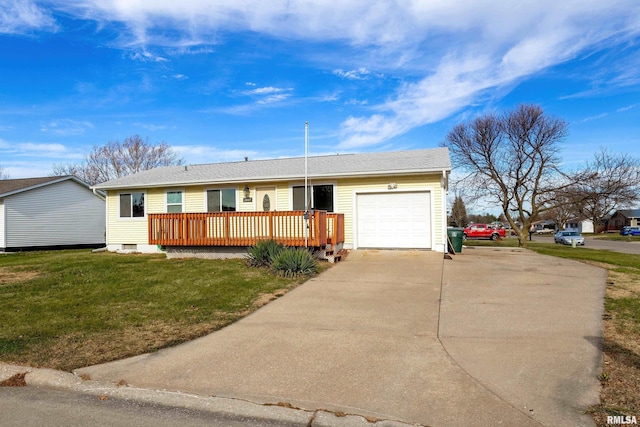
(567, 238)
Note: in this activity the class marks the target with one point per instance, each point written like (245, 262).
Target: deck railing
(245, 228)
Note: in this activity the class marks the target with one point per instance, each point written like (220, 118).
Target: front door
(266, 199)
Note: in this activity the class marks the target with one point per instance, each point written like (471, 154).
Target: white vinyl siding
(64, 213)
(393, 220)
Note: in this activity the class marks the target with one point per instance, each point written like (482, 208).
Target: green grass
(587, 254)
(69, 309)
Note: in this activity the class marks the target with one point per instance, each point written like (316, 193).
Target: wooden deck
(245, 228)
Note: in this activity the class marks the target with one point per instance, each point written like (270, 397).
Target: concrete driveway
(487, 338)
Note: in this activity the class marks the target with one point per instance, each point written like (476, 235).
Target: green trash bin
(455, 239)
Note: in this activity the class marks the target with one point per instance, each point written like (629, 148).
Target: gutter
(275, 179)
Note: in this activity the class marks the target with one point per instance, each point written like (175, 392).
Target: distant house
(50, 212)
(622, 218)
(580, 225)
(369, 200)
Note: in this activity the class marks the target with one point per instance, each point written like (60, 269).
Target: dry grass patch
(620, 394)
(8, 276)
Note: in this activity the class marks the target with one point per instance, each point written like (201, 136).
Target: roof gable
(630, 213)
(432, 160)
(9, 187)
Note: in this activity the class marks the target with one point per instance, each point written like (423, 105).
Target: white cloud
(628, 107)
(146, 56)
(66, 127)
(180, 77)
(265, 90)
(454, 51)
(23, 17)
(37, 149)
(42, 147)
(269, 94)
(359, 74)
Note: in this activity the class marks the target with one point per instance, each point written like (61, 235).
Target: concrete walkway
(519, 342)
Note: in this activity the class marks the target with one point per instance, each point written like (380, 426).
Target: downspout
(445, 188)
(106, 215)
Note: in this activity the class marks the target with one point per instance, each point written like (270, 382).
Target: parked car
(630, 231)
(546, 229)
(567, 237)
(483, 231)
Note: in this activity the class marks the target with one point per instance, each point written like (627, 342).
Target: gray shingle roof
(630, 213)
(12, 186)
(342, 165)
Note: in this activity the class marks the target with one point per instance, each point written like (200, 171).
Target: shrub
(264, 252)
(292, 262)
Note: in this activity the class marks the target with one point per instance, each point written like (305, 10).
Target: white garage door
(393, 220)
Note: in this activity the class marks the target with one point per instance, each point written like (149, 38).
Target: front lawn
(68, 309)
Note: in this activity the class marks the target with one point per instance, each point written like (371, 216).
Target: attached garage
(393, 220)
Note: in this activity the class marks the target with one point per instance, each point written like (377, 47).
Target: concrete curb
(50, 378)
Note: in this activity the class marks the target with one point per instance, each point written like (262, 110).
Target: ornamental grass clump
(294, 262)
(264, 252)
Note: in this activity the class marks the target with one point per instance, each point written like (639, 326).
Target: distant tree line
(115, 160)
(513, 160)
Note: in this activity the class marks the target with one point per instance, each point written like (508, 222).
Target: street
(594, 243)
(34, 406)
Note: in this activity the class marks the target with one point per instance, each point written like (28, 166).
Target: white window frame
(132, 218)
(312, 184)
(220, 188)
(166, 199)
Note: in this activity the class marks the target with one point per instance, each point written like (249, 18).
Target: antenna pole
(306, 189)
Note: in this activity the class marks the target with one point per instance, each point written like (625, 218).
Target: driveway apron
(362, 338)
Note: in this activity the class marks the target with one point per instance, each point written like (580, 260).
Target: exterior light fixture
(247, 194)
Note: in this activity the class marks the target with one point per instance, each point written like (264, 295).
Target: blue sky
(220, 80)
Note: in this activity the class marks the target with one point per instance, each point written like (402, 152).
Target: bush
(264, 252)
(292, 262)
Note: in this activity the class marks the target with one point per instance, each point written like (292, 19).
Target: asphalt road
(34, 406)
(594, 243)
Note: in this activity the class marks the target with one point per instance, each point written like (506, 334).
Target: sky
(219, 80)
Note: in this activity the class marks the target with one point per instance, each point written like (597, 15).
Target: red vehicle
(483, 231)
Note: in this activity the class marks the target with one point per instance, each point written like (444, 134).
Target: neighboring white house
(50, 212)
(579, 225)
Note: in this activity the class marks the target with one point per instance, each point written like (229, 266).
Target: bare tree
(3, 174)
(513, 160)
(611, 182)
(563, 206)
(65, 169)
(115, 160)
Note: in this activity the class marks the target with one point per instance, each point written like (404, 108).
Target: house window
(132, 205)
(320, 197)
(221, 200)
(174, 201)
